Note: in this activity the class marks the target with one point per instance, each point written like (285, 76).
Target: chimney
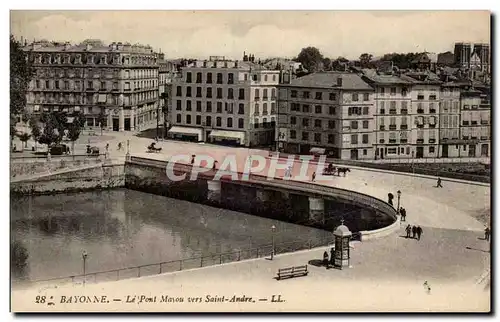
(339, 81)
(245, 57)
(215, 64)
(67, 45)
(235, 64)
(204, 63)
(88, 46)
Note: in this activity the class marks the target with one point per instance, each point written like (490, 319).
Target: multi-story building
(121, 80)
(425, 96)
(463, 52)
(327, 112)
(475, 127)
(483, 52)
(392, 115)
(229, 102)
(167, 70)
(450, 142)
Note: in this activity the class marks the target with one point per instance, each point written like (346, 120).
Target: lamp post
(399, 197)
(84, 257)
(273, 228)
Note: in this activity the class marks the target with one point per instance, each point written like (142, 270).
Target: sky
(199, 34)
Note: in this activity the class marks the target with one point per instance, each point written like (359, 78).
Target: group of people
(413, 232)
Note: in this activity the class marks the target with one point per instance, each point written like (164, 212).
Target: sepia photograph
(244, 161)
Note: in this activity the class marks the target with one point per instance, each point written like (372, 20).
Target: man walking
(408, 231)
(419, 232)
(313, 176)
(439, 183)
(414, 231)
(487, 234)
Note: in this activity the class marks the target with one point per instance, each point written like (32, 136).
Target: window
(274, 78)
(293, 134)
(66, 85)
(241, 123)
(331, 138)
(230, 78)
(179, 118)
(319, 95)
(198, 91)
(354, 139)
(273, 91)
(354, 125)
(317, 123)
(382, 107)
(331, 110)
(265, 78)
(198, 78)
(305, 108)
(218, 121)
(305, 122)
(241, 109)
(264, 95)
(219, 92)
(273, 108)
(293, 120)
(317, 137)
(198, 106)
(179, 91)
(90, 85)
(209, 78)
(208, 121)
(355, 97)
(219, 78)
(264, 108)
(305, 136)
(198, 119)
(219, 107)
(209, 107)
(257, 94)
(466, 107)
(229, 122)
(366, 97)
(188, 106)
(333, 97)
(230, 93)
(257, 108)
(431, 108)
(294, 94)
(318, 109)
(393, 90)
(331, 124)
(188, 91)
(209, 92)
(365, 139)
(188, 77)
(179, 105)
(365, 124)
(432, 136)
(431, 149)
(241, 94)
(305, 95)
(365, 110)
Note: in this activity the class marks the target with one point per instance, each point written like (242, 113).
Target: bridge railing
(181, 264)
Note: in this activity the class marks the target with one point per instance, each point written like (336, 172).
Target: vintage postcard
(250, 161)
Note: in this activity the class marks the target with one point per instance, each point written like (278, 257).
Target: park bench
(292, 272)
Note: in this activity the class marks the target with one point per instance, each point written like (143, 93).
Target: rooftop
(378, 78)
(350, 81)
(89, 45)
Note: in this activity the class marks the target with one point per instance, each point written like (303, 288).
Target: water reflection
(124, 228)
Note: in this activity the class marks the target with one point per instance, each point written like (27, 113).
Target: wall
(31, 166)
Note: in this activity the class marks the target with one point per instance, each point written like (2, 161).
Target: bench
(292, 272)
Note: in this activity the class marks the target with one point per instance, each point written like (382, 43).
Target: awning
(102, 98)
(186, 131)
(229, 135)
(317, 150)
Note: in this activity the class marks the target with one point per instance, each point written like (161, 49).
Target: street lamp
(273, 228)
(84, 257)
(399, 197)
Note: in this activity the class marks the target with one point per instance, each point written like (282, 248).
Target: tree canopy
(311, 58)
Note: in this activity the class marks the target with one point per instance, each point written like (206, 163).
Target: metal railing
(180, 264)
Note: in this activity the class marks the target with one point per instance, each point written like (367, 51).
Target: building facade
(167, 71)
(475, 127)
(392, 116)
(119, 81)
(450, 141)
(222, 101)
(327, 113)
(463, 52)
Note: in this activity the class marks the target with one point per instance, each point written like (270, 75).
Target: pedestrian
(192, 158)
(414, 231)
(439, 183)
(419, 232)
(332, 256)
(313, 176)
(408, 231)
(214, 165)
(119, 146)
(427, 287)
(107, 146)
(487, 233)
(403, 214)
(325, 259)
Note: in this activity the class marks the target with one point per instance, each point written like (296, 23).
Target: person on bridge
(419, 232)
(408, 231)
(414, 231)
(439, 183)
(487, 233)
(313, 176)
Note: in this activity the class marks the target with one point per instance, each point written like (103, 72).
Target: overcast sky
(199, 34)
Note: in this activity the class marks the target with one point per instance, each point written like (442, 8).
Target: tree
(35, 128)
(24, 137)
(101, 118)
(21, 72)
(365, 60)
(50, 134)
(327, 64)
(310, 57)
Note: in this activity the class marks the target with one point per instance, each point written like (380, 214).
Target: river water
(126, 228)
